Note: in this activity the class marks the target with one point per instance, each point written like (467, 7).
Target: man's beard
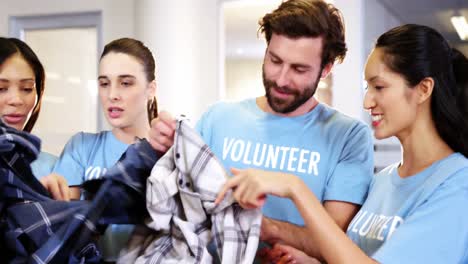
(285, 106)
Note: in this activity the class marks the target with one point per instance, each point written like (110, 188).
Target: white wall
(118, 15)
(243, 79)
(377, 21)
(347, 77)
(183, 35)
(70, 86)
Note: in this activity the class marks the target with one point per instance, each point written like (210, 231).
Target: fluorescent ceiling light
(461, 26)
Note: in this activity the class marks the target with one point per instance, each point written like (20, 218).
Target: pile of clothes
(171, 202)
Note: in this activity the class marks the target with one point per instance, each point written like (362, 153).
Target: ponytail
(460, 71)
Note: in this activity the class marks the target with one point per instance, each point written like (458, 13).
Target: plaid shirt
(34, 228)
(180, 199)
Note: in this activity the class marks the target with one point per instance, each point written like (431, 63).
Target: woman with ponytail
(127, 88)
(416, 209)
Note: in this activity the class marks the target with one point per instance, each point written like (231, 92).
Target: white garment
(180, 199)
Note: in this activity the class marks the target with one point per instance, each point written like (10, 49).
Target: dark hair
(12, 46)
(139, 51)
(417, 52)
(309, 18)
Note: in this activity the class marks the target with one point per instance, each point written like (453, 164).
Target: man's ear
(425, 89)
(326, 70)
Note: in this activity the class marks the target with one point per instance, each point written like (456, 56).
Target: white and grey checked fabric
(180, 197)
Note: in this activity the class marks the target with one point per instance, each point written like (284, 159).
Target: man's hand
(276, 232)
(57, 186)
(161, 135)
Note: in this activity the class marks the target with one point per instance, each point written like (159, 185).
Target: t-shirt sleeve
(353, 173)
(201, 124)
(70, 164)
(43, 165)
(204, 125)
(437, 231)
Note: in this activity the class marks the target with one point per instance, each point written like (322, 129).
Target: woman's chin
(380, 135)
(16, 126)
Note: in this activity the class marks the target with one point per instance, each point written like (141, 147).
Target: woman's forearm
(331, 242)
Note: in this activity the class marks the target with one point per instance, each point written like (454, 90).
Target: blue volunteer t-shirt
(87, 156)
(43, 164)
(390, 230)
(331, 152)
